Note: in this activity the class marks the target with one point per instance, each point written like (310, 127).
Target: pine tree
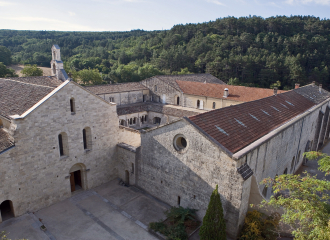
(214, 226)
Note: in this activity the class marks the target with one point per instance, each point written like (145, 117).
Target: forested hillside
(245, 51)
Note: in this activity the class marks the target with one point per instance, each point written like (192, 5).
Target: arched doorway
(127, 177)
(78, 179)
(7, 210)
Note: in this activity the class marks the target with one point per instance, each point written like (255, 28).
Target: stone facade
(188, 179)
(162, 92)
(33, 175)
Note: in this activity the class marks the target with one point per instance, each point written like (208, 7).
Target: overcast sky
(124, 15)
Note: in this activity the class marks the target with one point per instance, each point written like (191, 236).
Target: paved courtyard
(110, 211)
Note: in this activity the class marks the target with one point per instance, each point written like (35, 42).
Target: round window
(180, 142)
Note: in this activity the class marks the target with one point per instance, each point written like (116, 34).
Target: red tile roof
(236, 93)
(238, 126)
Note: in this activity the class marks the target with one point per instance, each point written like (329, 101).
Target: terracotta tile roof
(236, 93)
(17, 95)
(202, 77)
(238, 126)
(115, 88)
(5, 140)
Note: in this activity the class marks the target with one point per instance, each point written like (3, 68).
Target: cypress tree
(214, 226)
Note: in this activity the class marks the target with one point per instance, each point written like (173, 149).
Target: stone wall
(126, 163)
(192, 174)
(165, 93)
(283, 152)
(191, 102)
(129, 97)
(33, 175)
(129, 136)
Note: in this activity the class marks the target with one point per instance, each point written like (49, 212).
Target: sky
(125, 15)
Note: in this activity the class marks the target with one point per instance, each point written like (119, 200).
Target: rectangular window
(60, 143)
(133, 168)
(111, 99)
(84, 138)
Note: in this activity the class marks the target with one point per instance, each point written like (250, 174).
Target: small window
(122, 122)
(63, 144)
(179, 200)
(134, 120)
(87, 138)
(133, 168)
(157, 120)
(213, 105)
(198, 104)
(292, 164)
(72, 105)
(130, 121)
(177, 100)
(144, 98)
(180, 143)
(111, 99)
(155, 88)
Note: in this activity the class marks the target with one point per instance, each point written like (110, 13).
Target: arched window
(87, 138)
(63, 144)
(155, 88)
(130, 121)
(198, 104)
(134, 120)
(122, 122)
(72, 106)
(213, 105)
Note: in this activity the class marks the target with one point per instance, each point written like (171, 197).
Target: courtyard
(110, 211)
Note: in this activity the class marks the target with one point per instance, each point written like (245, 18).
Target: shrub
(258, 226)
(214, 226)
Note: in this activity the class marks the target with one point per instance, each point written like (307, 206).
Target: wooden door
(73, 185)
(77, 178)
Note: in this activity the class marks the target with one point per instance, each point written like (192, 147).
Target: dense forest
(251, 51)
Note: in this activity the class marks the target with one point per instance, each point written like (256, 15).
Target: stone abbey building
(57, 137)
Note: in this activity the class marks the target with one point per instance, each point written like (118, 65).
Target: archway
(78, 178)
(127, 177)
(7, 210)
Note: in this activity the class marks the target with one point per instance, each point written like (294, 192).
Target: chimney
(297, 85)
(275, 91)
(226, 93)
(313, 83)
(320, 88)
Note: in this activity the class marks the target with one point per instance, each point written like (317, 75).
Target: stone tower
(57, 64)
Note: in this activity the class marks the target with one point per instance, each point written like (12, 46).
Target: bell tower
(57, 64)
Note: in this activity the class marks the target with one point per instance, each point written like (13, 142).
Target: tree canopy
(29, 71)
(252, 51)
(305, 200)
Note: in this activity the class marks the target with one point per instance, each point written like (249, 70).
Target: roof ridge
(26, 83)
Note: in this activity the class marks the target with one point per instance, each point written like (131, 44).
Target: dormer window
(72, 106)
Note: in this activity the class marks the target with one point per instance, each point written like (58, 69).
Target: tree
(29, 71)
(304, 199)
(5, 55)
(6, 72)
(90, 76)
(214, 226)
